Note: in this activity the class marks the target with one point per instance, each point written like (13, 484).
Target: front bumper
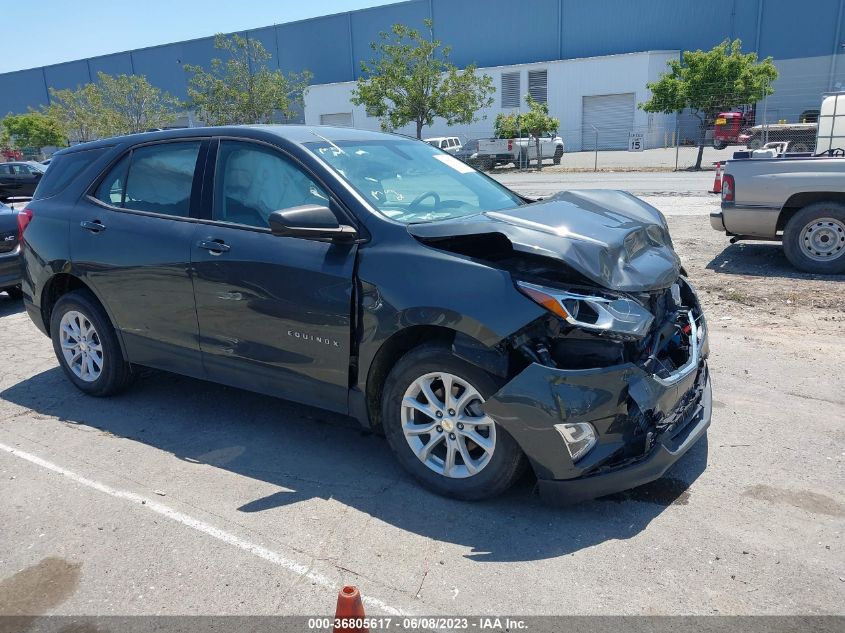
(643, 423)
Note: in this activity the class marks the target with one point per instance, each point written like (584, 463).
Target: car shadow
(9, 306)
(760, 259)
(309, 453)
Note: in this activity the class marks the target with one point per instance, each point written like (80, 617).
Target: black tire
(795, 241)
(486, 164)
(507, 461)
(719, 145)
(116, 373)
(557, 157)
(14, 292)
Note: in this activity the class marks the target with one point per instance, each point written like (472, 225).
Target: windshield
(409, 181)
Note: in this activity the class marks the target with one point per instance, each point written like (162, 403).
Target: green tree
(412, 81)
(32, 130)
(537, 122)
(243, 89)
(709, 82)
(79, 112)
(507, 125)
(130, 104)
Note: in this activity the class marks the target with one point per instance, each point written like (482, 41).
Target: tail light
(728, 190)
(510, 144)
(24, 218)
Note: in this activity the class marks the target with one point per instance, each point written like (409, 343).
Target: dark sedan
(10, 269)
(379, 277)
(19, 179)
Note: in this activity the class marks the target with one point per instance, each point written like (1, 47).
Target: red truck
(730, 127)
(10, 154)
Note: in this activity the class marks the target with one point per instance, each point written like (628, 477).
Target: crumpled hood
(611, 237)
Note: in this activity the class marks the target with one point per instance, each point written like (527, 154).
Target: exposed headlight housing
(618, 314)
(579, 438)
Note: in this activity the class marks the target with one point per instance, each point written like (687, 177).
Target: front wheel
(434, 423)
(86, 345)
(814, 238)
(719, 145)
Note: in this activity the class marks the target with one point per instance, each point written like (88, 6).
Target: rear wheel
(86, 345)
(719, 145)
(14, 292)
(557, 157)
(432, 416)
(814, 238)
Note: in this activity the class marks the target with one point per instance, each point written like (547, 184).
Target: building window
(510, 90)
(538, 85)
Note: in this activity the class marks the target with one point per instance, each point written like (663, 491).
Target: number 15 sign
(636, 141)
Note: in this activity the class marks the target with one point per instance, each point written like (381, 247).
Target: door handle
(94, 226)
(215, 247)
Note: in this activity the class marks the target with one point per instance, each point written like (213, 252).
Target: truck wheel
(557, 157)
(86, 345)
(814, 238)
(434, 424)
(755, 143)
(486, 164)
(719, 145)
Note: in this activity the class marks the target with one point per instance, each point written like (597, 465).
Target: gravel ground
(182, 497)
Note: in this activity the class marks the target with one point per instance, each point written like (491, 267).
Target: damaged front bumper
(643, 423)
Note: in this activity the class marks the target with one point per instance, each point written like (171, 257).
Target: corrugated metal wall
(486, 32)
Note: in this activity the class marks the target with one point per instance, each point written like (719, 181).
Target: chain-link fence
(631, 139)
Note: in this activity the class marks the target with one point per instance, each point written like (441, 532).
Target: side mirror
(310, 221)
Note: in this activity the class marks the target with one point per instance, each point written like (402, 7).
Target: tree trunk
(539, 155)
(419, 129)
(700, 154)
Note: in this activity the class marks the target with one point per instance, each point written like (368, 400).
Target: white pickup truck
(520, 151)
(798, 201)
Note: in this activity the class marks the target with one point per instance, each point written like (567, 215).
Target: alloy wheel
(444, 425)
(81, 346)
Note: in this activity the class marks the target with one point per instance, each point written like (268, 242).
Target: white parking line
(201, 526)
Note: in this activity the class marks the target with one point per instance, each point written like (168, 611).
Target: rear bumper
(10, 269)
(717, 221)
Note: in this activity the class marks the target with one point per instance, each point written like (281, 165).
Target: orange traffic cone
(717, 182)
(349, 615)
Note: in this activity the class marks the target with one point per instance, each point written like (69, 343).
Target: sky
(53, 31)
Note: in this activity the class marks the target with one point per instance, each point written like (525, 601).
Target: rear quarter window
(63, 169)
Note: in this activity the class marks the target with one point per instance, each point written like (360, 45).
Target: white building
(593, 97)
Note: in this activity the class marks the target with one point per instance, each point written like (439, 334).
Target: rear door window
(64, 168)
(153, 178)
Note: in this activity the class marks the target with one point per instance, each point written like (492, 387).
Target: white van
(451, 144)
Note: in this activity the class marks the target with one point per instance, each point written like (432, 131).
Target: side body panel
(274, 314)
(139, 268)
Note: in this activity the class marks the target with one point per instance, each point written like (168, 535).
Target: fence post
(595, 148)
(677, 139)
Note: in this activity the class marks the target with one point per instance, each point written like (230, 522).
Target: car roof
(293, 133)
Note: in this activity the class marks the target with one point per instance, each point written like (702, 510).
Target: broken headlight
(598, 313)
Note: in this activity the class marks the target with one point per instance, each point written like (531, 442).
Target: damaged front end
(605, 402)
